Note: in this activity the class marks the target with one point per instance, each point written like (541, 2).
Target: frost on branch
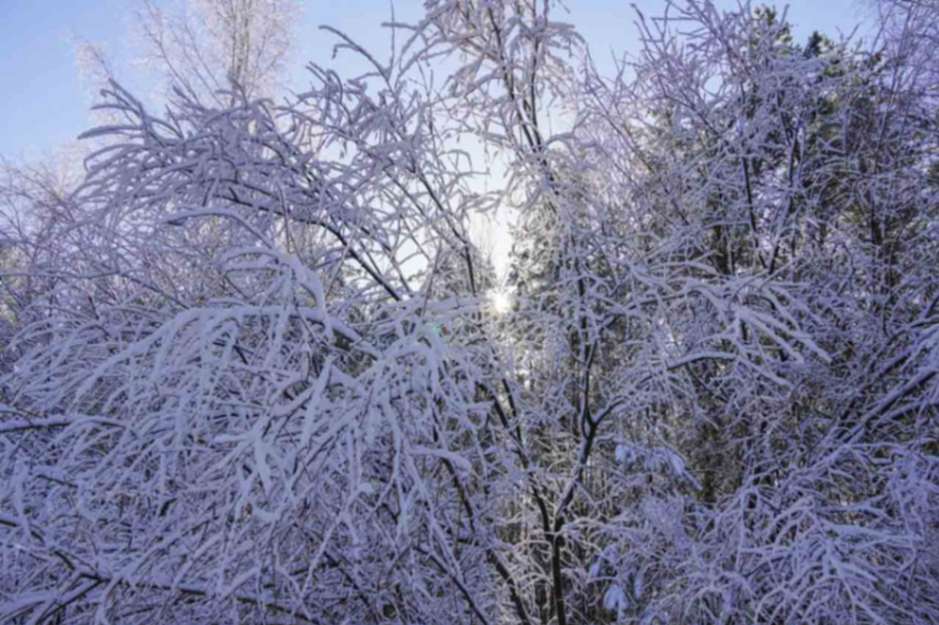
(256, 378)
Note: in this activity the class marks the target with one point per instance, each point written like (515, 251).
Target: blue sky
(45, 102)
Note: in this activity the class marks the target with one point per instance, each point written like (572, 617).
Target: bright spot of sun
(500, 301)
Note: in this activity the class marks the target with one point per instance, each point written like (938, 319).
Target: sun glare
(500, 301)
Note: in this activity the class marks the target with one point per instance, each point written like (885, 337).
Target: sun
(500, 301)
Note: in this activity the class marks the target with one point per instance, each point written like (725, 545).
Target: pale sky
(45, 103)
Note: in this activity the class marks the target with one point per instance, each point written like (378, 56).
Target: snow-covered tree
(209, 47)
(266, 384)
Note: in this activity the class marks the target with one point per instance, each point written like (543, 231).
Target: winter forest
(258, 367)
